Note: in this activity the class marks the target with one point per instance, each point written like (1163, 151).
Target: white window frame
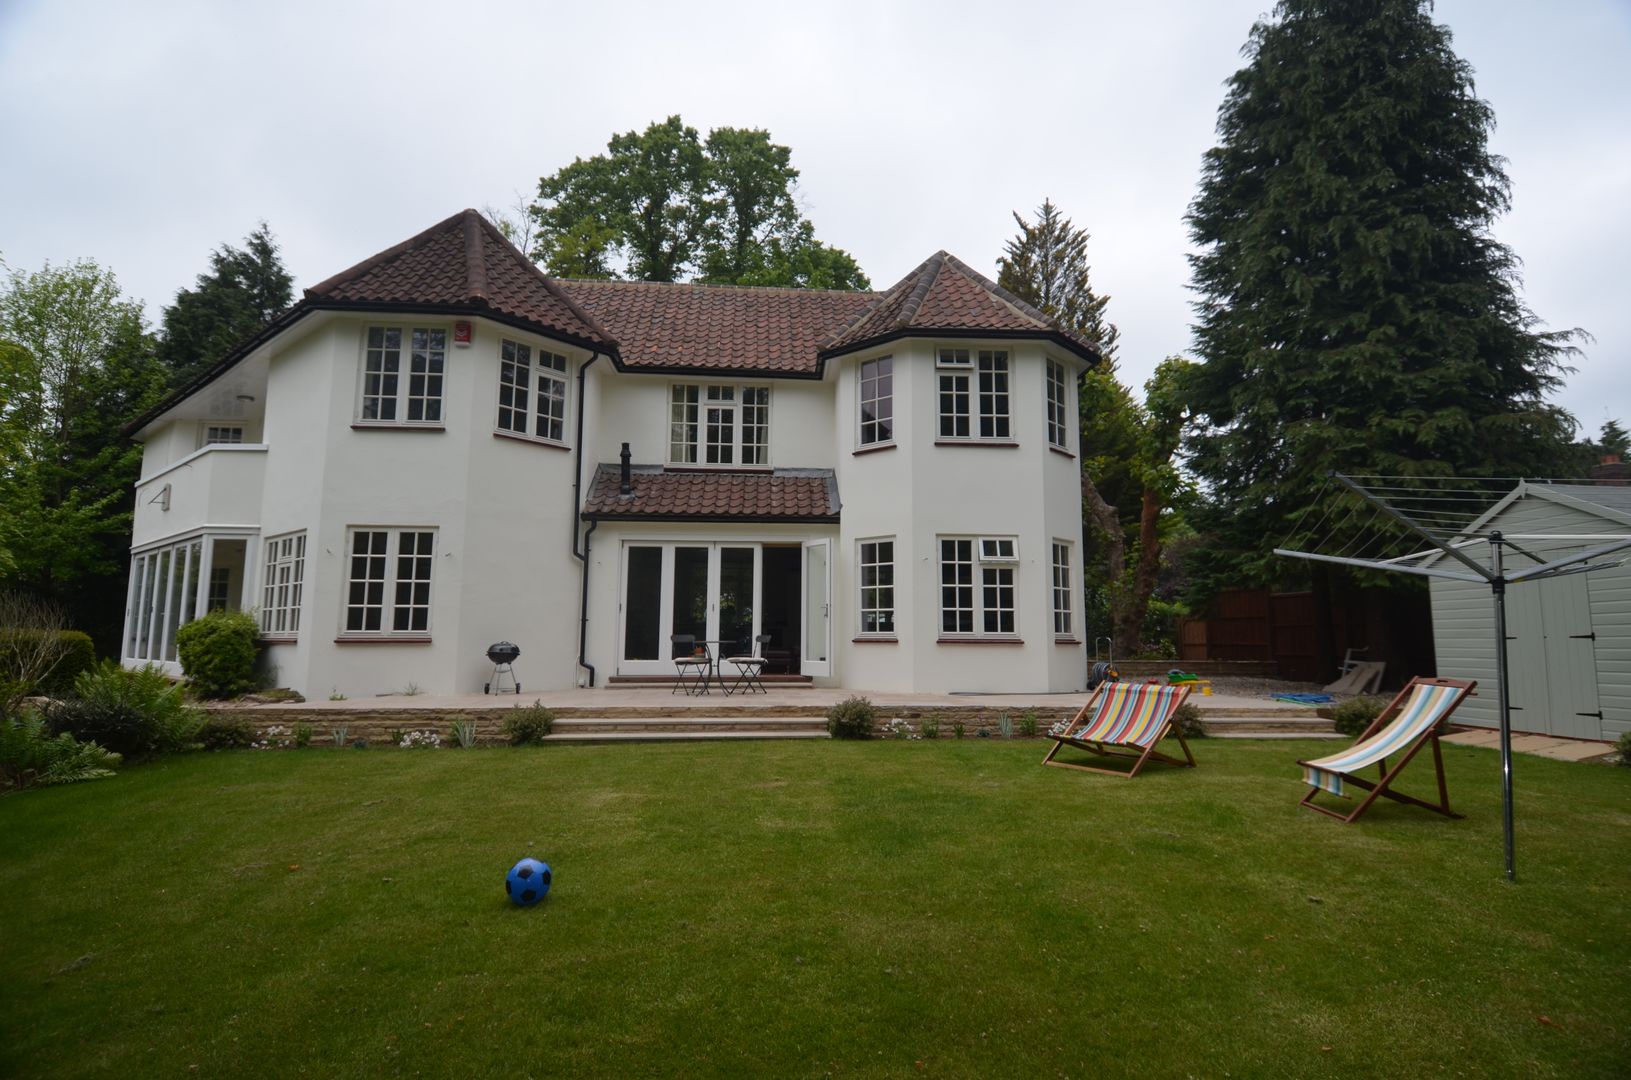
(538, 401)
(221, 433)
(390, 581)
(871, 375)
(719, 421)
(1056, 397)
(394, 391)
(283, 585)
(978, 386)
(1064, 625)
(875, 605)
(987, 593)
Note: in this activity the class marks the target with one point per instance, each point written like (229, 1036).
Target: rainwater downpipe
(577, 504)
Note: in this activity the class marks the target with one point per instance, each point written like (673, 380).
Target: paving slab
(1539, 745)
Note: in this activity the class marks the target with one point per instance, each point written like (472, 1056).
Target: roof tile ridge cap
(1022, 307)
(792, 290)
(852, 329)
(475, 258)
(929, 273)
(549, 283)
(351, 273)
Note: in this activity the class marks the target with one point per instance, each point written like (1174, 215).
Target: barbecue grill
(503, 656)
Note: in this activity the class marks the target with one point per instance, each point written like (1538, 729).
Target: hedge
(76, 654)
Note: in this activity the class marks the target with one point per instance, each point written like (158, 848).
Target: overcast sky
(143, 135)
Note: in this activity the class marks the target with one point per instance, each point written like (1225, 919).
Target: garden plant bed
(791, 909)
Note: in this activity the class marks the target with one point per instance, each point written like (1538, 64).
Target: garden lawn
(804, 909)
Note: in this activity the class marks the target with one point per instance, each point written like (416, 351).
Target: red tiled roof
(781, 495)
(463, 263)
(660, 326)
(945, 295)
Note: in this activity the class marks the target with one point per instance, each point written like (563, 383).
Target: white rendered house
(424, 457)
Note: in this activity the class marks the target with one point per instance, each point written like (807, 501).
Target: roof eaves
(1086, 350)
(227, 363)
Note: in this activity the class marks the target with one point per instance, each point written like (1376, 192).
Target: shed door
(1526, 659)
(1571, 659)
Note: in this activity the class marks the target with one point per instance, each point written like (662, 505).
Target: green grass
(802, 909)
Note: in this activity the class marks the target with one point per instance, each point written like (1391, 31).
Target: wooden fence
(1278, 628)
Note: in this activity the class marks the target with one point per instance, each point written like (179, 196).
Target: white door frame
(816, 655)
(664, 664)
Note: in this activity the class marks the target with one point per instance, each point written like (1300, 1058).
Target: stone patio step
(1291, 726)
(738, 725)
(699, 734)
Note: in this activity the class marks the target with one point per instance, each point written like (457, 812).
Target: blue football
(528, 882)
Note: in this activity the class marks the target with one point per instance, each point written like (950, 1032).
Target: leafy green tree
(1132, 452)
(244, 290)
(1355, 313)
(645, 199)
(750, 202)
(78, 364)
(662, 204)
(1046, 266)
(800, 261)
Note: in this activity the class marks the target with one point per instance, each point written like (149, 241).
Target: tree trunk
(1325, 649)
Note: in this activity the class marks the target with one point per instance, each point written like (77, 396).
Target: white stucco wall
(504, 518)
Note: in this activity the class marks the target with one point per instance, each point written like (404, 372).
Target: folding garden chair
(1125, 720)
(749, 668)
(1412, 718)
(691, 664)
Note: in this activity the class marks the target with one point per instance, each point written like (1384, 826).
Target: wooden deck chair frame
(1143, 755)
(1382, 786)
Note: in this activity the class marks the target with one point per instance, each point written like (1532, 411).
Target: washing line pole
(1497, 583)
(1498, 587)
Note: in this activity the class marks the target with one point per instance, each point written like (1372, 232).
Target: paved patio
(1540, 745)
(777, 698)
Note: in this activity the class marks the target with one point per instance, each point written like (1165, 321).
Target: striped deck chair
(1125, 720)
(1411, 719)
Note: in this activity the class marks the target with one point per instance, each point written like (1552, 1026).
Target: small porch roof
(771, 495)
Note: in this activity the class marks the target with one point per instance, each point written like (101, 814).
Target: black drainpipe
(582, 556)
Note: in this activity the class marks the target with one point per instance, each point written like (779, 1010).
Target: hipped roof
(464, 266)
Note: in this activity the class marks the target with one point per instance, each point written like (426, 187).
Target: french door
(710, 592)
(817, 593)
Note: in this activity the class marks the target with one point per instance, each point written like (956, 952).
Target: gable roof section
(662, 327)
(946, 297)
(803, 495)
(461, 265)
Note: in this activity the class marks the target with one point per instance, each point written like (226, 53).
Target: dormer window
(402, 390)
(725, 426)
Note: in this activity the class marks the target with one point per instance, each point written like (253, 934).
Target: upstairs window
(719, 425)
(398, 390)
(220, 435)
(1057, 406)
(973, 393)
(877, 401)
(531, 392)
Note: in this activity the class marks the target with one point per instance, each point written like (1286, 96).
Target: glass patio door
(817, 592)
(708, 591)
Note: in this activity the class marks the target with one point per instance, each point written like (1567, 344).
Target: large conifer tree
(244, 290)
(1046, 266)
(1356, 314)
